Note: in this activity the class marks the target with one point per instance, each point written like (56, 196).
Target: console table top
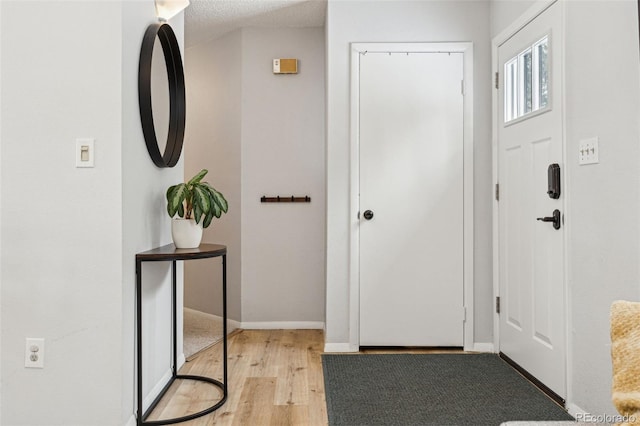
(170, 252)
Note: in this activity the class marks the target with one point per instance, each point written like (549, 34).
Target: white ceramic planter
(186, 233)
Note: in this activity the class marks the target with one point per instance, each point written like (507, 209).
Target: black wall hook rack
(284, 199)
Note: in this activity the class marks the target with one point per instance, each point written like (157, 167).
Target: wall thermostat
(285, 66)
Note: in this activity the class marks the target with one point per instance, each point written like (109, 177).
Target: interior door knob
(368, 214)
(555, 219)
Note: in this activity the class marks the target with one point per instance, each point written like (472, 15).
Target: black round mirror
(175, 79)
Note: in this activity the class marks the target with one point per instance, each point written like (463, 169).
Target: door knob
(555, 219)
(368, 214)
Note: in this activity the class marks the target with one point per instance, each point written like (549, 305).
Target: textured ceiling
(210, 19)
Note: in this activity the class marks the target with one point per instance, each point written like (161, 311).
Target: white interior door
(531, 252)
(411, 180)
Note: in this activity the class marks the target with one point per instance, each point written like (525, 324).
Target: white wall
(262, 134)
(145, 223)
(0, 213)
(602, 100)
(283, 154)
(504, 12)
(214, 94)
(402, 21)
(61, 280)
(72, 72)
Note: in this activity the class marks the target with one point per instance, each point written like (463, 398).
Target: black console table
(170, 253)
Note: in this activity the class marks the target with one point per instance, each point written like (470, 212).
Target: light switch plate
(588, 151)
(85, 152)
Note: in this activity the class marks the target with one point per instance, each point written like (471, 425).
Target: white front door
(411, 199)
(531, 251)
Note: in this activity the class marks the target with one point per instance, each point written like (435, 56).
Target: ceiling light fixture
(167, 9)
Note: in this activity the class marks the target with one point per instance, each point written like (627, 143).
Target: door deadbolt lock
(368, 214)
(555, 219)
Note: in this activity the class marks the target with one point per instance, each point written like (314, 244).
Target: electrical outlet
(34, 353)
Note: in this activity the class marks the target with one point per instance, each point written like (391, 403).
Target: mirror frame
(177, 110)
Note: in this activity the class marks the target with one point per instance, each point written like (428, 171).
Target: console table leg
(139, 339)
(224, 321)
(174, 321)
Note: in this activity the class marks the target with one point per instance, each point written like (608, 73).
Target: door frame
(466, 48)
(529, 15)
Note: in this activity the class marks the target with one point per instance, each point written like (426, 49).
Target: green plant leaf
(224, 205)
(197, 178)
(181, 210)
(175, 198)
(197, 212)
(217, 197)
(216, 210)
(169, 196)
(207, 219)
(212, 195)
(201, 198)
(170, 190)
(169, 207)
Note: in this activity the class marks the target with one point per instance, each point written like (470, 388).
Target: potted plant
(195, 203)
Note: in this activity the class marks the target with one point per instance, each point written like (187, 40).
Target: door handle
(368, 214)
(555, 219)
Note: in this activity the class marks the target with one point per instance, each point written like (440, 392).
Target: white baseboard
(153, 393)
(131, 421)
(339, 347)
(181, 361)
(233, 324)
(483, 347)
(574, 410)
(282, 325)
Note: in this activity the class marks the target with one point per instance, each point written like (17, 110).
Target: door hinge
(497, 304)
(464, 314)
(462, 87)
(497, 82)
(497, 192)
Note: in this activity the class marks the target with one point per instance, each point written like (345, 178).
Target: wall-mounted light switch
(85, 152)
(588, 151)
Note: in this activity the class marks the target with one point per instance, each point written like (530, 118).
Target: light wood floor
(275, 378)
